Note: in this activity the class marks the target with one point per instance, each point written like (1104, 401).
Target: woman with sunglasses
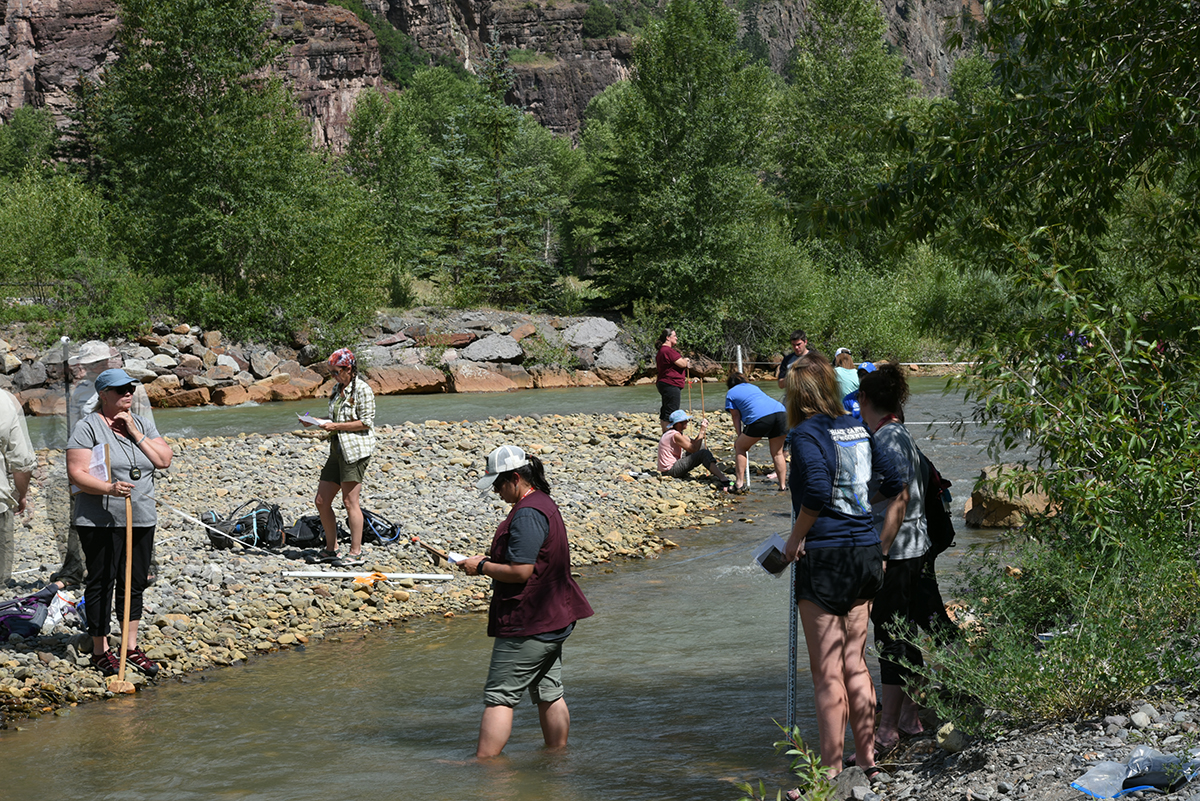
(535, 602)
(352, 422)
(134, 451)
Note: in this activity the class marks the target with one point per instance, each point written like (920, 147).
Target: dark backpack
(308, 532)
(937, 508)
(25, 616)
(255, 522)
(378, 530)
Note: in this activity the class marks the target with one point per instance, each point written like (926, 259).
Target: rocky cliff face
(46, 45)
(331, 56)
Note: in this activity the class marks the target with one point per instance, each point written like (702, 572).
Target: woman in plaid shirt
(352, 421)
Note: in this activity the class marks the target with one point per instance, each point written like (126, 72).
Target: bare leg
(556, 722)
(741, 458)
(860, 689)
(715, 471)
(326, 492)
(776, 445)
(825, 637)
(133, 632)
(892, 697)
(494, 729)
(350, 495)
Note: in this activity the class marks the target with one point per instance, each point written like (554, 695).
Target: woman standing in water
(837, 549)
(535, 602)
(352, 421)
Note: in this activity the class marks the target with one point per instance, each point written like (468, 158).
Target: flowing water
(672, 686)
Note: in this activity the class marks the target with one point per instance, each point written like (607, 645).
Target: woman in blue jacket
(837, 549)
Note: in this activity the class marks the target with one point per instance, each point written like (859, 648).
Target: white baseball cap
(501, 460)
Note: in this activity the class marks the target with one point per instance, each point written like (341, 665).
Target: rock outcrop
(329, 57)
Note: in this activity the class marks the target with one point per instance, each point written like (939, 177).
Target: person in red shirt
(669, 364)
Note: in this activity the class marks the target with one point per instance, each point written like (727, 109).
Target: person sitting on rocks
(674, 444)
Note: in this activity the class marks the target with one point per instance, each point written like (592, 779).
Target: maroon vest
(551, 599)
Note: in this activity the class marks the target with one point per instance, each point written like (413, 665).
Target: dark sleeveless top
(550, 600)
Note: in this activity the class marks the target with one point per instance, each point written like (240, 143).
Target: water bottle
(79, 608)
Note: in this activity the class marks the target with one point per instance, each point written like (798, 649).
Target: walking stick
(792, 636)
(687, 379)
(119, 685)
(702, 409)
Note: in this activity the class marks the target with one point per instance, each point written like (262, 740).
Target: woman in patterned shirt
(352, 421)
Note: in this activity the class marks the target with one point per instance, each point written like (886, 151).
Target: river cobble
(210, 608)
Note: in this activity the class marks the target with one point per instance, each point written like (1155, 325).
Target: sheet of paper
(770, 555)
(308, 420)
(97, 466)
(455, 558)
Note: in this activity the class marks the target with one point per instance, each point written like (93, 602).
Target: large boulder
(405, 380)
(586, 378)
(29, 375)
(591, 333)
(43, 402)
(230, 396)
(263, 363)
(551, 377)
(516, 374)
(494, 348)
(191, 397)
(466, 376)
(615, 364)
(989, 507)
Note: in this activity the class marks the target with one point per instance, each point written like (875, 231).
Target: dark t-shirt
(786, 364)
(668, 372)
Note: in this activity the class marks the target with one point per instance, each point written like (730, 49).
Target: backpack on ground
(255, 522)
(307, 532)
(26, 616)
(937, 508)
(378, 530)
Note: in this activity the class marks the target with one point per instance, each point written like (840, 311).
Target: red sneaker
(106, 663)
(137, 657)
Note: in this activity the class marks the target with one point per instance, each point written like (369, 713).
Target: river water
(673, 685)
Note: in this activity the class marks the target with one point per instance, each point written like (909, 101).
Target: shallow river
(673, 685)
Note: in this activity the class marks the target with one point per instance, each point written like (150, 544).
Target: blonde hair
(811, 389)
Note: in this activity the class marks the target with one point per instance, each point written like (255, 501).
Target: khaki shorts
(338, 471)
(520, 664)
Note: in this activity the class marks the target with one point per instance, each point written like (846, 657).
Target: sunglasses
(125, 390)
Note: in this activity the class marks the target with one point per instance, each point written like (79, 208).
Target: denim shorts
(520, 664)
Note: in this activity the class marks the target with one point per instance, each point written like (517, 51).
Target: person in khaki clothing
(16, 468)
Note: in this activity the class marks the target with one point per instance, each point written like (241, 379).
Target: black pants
(899, 602)
(671, 396)
(105, 552)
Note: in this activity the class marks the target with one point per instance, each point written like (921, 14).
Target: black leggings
(105, 552)
(899, 600)
(671, 396)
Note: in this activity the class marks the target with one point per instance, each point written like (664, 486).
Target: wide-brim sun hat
(678, 416)
(501, 460)
(91, 352)
(114, 377)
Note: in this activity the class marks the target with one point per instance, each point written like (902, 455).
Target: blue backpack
(25, 616)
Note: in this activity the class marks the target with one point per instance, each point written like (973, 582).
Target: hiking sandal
(137, 657)
(350, 560)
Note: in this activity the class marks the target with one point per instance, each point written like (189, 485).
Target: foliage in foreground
(806, 764)
(1076, 631)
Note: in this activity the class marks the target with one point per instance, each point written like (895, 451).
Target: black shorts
(837, 578)
(769, 427)
(670, 399)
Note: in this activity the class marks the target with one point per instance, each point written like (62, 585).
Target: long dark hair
(886, 388)
(734, 379)
(533, 472)
(662, 338)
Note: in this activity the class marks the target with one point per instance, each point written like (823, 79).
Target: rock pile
(210, 608)
(473, 351)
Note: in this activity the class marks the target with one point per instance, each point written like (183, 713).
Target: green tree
(213, 167)
(27, 140)
(678, 202)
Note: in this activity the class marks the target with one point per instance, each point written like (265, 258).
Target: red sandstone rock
(404, 380)
(287, 392)
(259, 393)
(230, 396)
(43, 402)
(514, 373)
(471, 377)
(459, 340)
(550, 377)
(586, 378)
(522, 331)
(191, 397)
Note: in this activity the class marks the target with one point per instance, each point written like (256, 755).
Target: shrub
(599, 21)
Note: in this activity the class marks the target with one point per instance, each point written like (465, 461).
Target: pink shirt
(669, 451)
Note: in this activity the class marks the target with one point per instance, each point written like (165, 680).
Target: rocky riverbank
(212, 608)
(1033, 764)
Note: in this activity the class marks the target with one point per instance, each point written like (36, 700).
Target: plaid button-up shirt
(355, 445)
